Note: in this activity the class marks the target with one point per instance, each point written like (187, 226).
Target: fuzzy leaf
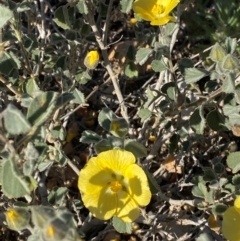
(219, 208)
(144, 114)
(5, 15)
(228, 85)
(192, 75)
(136, 148)
(61, 17)
(131, 70)
(78, 97)
(42, 107)
(215, 120)
(185, 63)
(143, 55)
(126, 5)
(119, 127)
(103, 145)
(13, 184)
(14, 121)
(217, 53)
(105, 118)
(233, 161)
(158, 65)
(121, 226)
(82, 7)
(90, 137)
(197, 121)
(231, 44)
(236, 179)
(230, 63)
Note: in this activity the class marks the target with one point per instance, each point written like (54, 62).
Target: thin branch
(10, 87)
(113, 77)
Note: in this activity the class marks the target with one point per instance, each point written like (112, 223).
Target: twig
(113, 77)
(106, 25)
(177, 26)
(10, 87)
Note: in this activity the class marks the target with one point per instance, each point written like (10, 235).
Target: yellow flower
(91, 60)
(113, 185)
(155, 11)
(231, 221)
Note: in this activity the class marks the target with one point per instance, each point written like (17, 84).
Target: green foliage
(233, 161)
(190, 104)
(143, 55)
(126, 5)
(42, 107)
(5, 15)
(121, 226)
(15, 122)
(14, 184)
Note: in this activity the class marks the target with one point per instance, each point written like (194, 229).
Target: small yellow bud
(132, 21)
(91, 60)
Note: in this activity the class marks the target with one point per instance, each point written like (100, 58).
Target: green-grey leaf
(158, 65)
(143, 55)
(230, 63)
(144, 114)
(90, 137)
(13, 184)
(231, 44)
(5, 15)
(228, 85)
(192, 75)
(126, 5)
(105, 118)
(103, 145)
(31, 86)
(197, 192)
(42, 107)
(219, 208)
(236, 179)
(121, 226)
(82, 7)
(119, 127)
(79, 97)
(209, 174)
(170, 90)
(233, 161)
(14, 121)
(217, 53)
(61, 17)
(197, 121)
(185, 63)
(131, 70)
(136, 148)
(215, 120)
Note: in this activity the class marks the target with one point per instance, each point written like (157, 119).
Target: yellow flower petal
(230, 224)
(170, 6)
(127, 208)
(93, 177)
(155, 11)
(116, 159)
(237, 204)
(101, 204)
(162, 21)
(138, 186)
